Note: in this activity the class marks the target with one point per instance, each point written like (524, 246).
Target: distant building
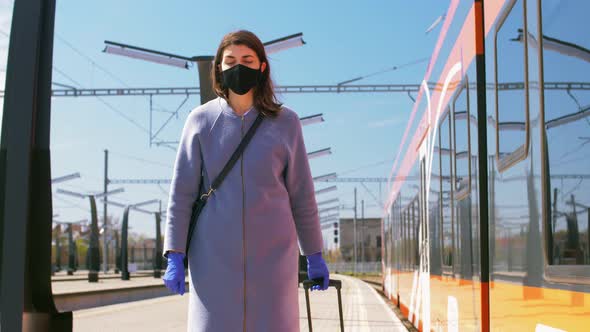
(339, 235)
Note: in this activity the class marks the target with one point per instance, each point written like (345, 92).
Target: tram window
(409, 227)
(413, 231)
(410, 212)
(416, 215)
(404, 244)
(408, 237)
(445, 151)
(461, 142)
(511, 123)
(398, 235)
(434, 209)
(567, 127)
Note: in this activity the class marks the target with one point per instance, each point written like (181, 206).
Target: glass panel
(418, 223)
(403, 237)
(566, 54)
(510, 68)
(408, 237)
(462, 159)
(434, 205)
(446, 190)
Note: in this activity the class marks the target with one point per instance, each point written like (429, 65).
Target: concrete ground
(363, 309)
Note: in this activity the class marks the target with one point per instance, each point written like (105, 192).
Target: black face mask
(240, 79)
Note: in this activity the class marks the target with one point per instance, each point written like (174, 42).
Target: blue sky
(344, 40)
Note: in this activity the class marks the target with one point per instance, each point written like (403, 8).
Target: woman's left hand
(174, 276)
(317, 268)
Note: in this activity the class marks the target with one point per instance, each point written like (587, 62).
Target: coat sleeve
(301, 191)
(184, 186)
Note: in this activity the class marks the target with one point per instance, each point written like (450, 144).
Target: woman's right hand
(174, 276)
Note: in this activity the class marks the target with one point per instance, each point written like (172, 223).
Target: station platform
(83, 275)
(363, 309)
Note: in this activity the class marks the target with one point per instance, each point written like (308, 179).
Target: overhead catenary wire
(104, 102)
(106, 71)
(142, 160)
(80, 53)
(411, 63)
(352, 170)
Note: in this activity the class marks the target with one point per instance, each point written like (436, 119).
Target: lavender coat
(243, 255)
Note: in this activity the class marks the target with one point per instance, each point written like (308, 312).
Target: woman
(243, 255)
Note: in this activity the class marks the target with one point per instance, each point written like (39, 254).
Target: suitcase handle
(320, 281)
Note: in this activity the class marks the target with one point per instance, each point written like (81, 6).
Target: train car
(486, 227)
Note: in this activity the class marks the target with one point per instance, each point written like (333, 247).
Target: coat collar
(228, 110)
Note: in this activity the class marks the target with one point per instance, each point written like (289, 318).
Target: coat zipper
(243, 225)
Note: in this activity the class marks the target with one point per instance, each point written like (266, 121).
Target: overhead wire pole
(204, 62)
(326, 88)
(363, 232)
(326, 190)
(204, 66)
(332, 178)
(354, 231)
(104, 220)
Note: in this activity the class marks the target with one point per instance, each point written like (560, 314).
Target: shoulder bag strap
(234, 157)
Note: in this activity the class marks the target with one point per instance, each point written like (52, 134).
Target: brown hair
(264, 97)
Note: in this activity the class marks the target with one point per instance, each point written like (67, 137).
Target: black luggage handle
(320, 282)
(307, 284)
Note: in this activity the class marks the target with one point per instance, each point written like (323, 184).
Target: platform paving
(364, 310)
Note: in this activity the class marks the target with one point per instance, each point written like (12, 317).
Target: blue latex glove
(174, 276)
(317, 268)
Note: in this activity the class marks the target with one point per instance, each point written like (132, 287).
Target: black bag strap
(234, 157)
(228, 166)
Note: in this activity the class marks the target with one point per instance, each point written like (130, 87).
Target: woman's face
(240, 54)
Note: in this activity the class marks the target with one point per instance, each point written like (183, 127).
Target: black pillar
(124, 260)
(93, 249)
(57, 249)
(204, 64)
(117, 253)
(145, 254)
(76, 258)
(158, 249)
(71, 251)
(26, 297)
